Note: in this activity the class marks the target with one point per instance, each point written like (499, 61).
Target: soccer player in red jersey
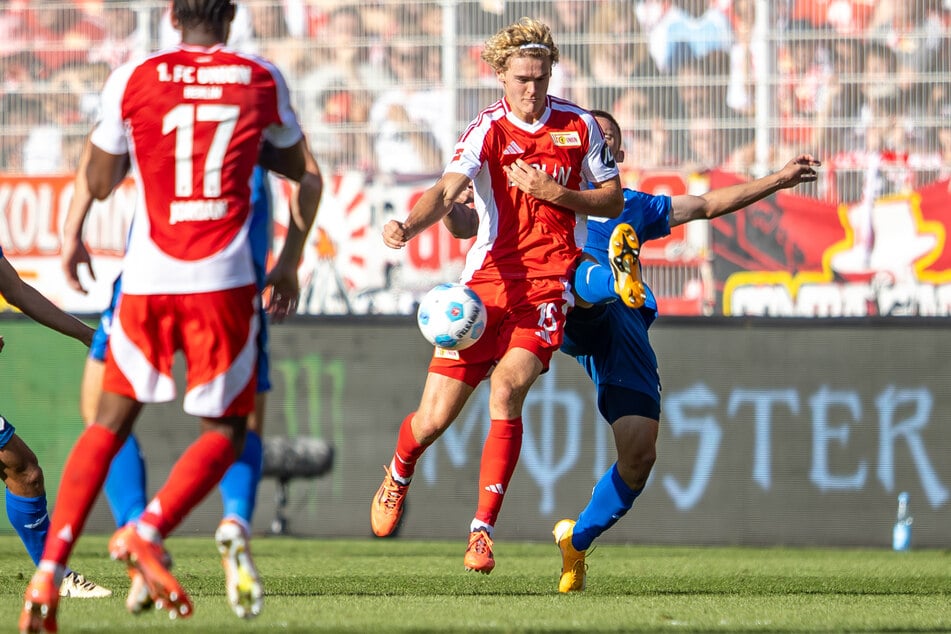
(520, 265)
(192, 119)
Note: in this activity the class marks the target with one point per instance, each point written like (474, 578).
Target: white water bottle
(901, 533)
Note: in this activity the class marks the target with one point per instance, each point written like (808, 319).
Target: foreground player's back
(194, 121)
(196, 118)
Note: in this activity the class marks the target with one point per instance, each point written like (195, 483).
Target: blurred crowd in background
(385, 87)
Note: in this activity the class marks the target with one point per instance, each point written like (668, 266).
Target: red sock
(408, 450)
(83, 476)
(499, 457)
(195, 474)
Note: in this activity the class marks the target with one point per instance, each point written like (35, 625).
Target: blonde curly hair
(526, 38)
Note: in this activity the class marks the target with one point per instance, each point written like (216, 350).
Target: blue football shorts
(610, 342)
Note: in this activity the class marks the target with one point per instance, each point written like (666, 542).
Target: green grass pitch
(394, 585)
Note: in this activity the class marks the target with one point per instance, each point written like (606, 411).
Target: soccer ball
(451, 316)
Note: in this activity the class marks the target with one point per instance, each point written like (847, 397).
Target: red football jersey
(520, 236)
(192, 120)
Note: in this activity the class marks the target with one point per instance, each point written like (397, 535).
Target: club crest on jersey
(443, 353)
(566, 139)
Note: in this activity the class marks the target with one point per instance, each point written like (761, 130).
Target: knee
(427, 427)
(635, 466)
(506, 398)
(26, 480)
(500, 395)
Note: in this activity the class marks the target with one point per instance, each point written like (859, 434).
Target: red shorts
(216, 332)
(527, 314)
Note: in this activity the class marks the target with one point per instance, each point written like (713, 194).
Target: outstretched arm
(725, 200)
(34, 305)
(432, 206)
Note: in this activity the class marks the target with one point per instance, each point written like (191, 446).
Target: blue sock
(239, 486)
(610, 500)
(125, 483)
(31, 522)
(594, 283)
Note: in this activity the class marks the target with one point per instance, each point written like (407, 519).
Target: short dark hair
(604, 114)
(211, 13)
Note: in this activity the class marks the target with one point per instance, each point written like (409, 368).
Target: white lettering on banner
(762, 402)
(4, 203)
(823, 433)
(472, 425)
(910, 429)
(24, 216)
(33, 210)
(841, 299)
(344, 269)
(602, 436)
(5, 195)
(553, 420)
(26, 220)
(551, 443)
(107, 225)
(678, 407)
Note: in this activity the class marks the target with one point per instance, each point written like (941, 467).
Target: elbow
(461, 221)
(99, 188)
(101, 183)
(105, 174)
(309, 195)
(314, 182)
(460, 233)
(616, 206)
(711, 211)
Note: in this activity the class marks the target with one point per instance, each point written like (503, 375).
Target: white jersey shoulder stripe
(493, 113)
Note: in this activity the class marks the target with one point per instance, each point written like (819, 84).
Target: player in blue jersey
(25, 488)
(125, 484)
(610, 338)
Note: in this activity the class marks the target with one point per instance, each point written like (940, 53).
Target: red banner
(32, 212)
(792, 256)
(785, 256)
